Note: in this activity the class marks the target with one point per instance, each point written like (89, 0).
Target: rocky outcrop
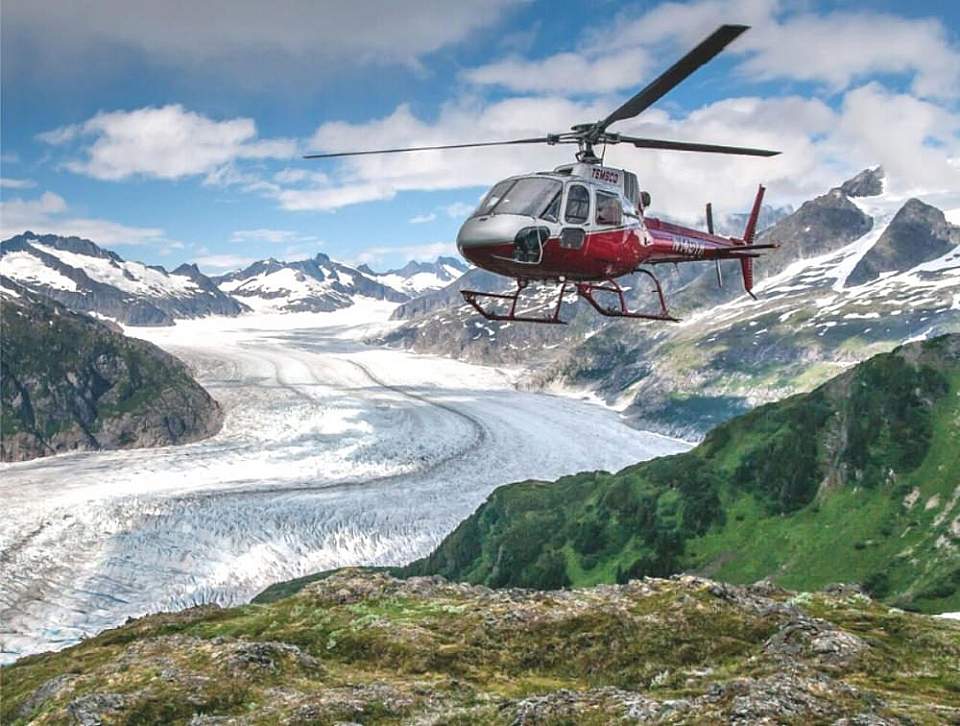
(89, 279)
(868, 183)
(70, 382)
(918, 233)
(365, 647)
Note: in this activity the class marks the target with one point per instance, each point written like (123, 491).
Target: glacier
(332, 453)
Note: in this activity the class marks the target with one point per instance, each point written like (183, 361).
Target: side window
(578, 204)
(609, 210)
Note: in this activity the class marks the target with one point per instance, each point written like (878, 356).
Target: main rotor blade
(537, 140)
(710, 47)
(641, 143)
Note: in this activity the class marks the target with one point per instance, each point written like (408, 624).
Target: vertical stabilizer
(746, 263)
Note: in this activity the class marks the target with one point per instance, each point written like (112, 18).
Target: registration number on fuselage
(607, 175)
(687, 246)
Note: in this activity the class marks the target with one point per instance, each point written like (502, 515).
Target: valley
(332, 453)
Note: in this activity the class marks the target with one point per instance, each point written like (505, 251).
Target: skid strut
(472, 296)
(587, 289)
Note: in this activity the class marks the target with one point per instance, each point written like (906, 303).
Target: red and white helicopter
(583, 224)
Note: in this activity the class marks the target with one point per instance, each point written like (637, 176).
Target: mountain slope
(318, 284)
(72, 383)
(858, 480)
(86, 278)
(367, 648)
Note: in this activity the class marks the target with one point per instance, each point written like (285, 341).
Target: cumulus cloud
(821, 146)
(169, 142)
(836, 49)
(46, 214)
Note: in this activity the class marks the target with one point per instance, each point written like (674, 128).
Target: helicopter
(584, 225)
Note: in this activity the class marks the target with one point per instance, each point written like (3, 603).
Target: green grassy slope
(857, 481)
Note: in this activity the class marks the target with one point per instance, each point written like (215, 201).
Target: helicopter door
(576, 212)
(609, 220)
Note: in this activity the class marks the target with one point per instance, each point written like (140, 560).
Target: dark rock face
(918, 233)
(95, 280)
(822, 225)
(72, 383)
(868, 183)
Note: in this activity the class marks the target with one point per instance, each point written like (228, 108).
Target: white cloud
(275, 236)
(46, 215)
(459, 209)
(166, 143)
(821, 146)
(422, 218)
(837, 49)
(591, 72)
(246, 39)
(8, 183)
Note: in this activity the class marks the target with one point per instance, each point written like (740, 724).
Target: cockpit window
(529, 197)
(493, 196)
(552, 212)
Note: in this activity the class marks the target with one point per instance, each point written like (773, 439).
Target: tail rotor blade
(709, 217)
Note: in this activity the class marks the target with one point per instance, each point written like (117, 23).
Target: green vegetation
(366, 647)
(857, 481)
(71, 382)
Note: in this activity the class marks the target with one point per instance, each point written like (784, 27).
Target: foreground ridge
(365, 646)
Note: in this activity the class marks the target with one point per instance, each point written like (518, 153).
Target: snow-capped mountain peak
(87, 278)
(317, 284)
(416, 278)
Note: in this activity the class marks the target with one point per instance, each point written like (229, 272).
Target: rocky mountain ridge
(70, 383)
(87, 278)
(317, 284)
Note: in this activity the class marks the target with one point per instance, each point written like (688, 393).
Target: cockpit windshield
(529, 196)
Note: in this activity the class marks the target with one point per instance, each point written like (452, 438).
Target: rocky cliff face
(86, 278)
(365, 647)
(70, 383)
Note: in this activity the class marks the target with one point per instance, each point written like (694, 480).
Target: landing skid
(585, 290)
(472, 296)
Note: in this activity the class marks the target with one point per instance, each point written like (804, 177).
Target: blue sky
(173, 133)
